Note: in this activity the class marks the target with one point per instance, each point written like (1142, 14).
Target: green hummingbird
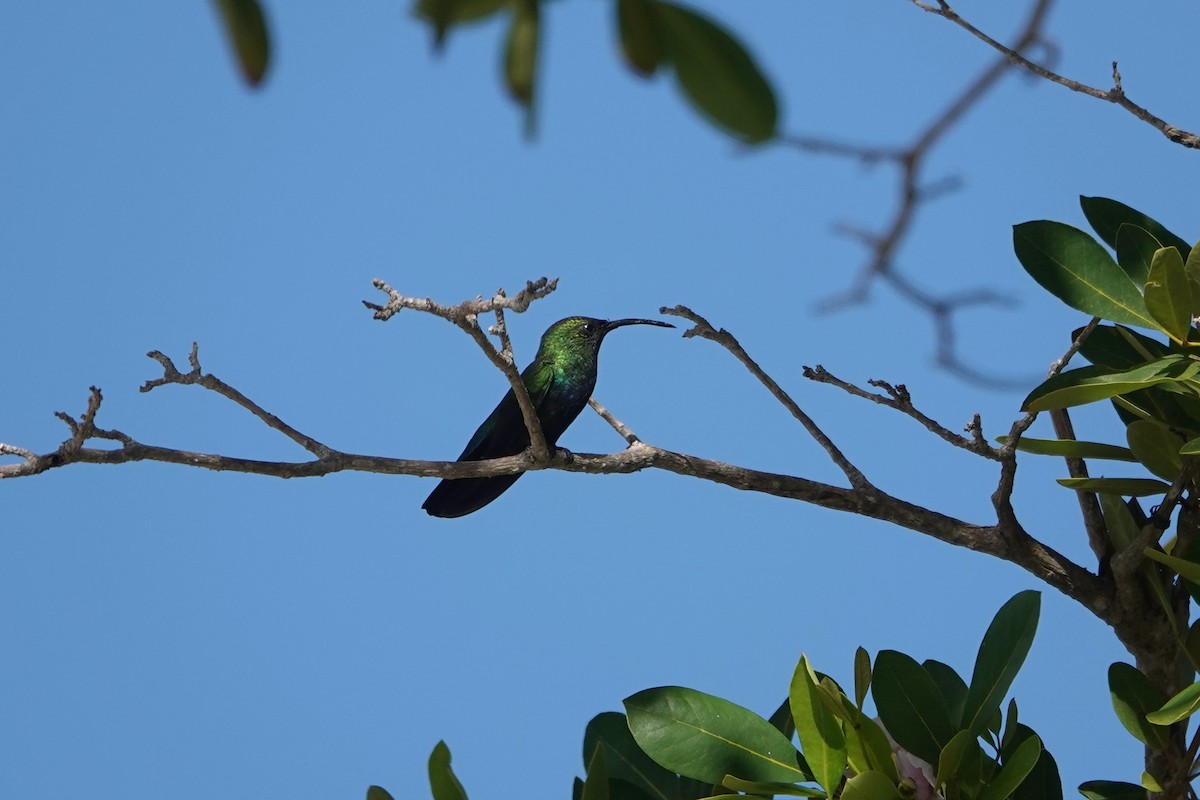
(559, 381)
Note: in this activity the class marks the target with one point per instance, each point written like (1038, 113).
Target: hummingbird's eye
(588, 327)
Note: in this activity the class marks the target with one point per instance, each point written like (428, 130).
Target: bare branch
(629, 436)
(897, 397)
(704, 330)
(1114, 95)
(465, 315)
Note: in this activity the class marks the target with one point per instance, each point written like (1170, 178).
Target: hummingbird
(559, 381)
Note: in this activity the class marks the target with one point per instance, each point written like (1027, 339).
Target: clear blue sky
(171, 630)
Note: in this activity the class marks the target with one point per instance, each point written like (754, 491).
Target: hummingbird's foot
(565, 454)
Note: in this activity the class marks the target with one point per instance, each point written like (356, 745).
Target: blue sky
(221, 635)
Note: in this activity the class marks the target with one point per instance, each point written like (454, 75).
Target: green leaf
(821, 737)
(442, 780)
(1076, 269)
(637, 25)
(870, 785)
(1106, 217)
(1111, 790)
(1156, 447)
(1014, 770)
(862, 676)
(1118, 347)
(1188, 569)
(1190, 448)
(1150, 783)
(951, 757)
(782, 719)
(1088, 384)
(1191, 268)
(1135, 251)
(1179, 707)
(246, 29)
(1003, 650)
(716, 73)
(444, 14)
(1133, 697)
(910, 705)
(520, 55)
(868, 748)
(596, 785)
(626, 761)
(378, 793)
(1127, 487)
(952, 687)
(1169, 294)
(707, 738)
(759, 787)
(1071, 448)
(1043, 782)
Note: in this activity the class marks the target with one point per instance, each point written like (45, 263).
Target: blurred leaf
(246, 29)
(870, 785)
(716, 73)
(1133, 697)
(1111, 790)
(1089, 384)
(1011, 721)
(862, 676)
(1181, 706)
(707, 738)
(1135, 251)
(626, 761)
(444, 14)
(378, 793)
(1044, 781)
(596, 785)
(1169, 294)
(821, 738)
(521, 52)
(1128, 487)
(1188, 569)
(758, 787)
(1071, 448)
(1014, 770)
(1123, 531)
(442, 780)
(1191, 447)
(951, 686)
(1119, 347)
(910, 705)
(1191, 268)
(1156, 447)
(1076, 269)
(1106, 217)
(637, 25)
(1150, 783)
(782, 719)
(1001, 654)
(622, 790)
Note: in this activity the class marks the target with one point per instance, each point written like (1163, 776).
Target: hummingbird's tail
(466, 495)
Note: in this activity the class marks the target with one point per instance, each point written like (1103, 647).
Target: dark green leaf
(1135, 251)
(910, 705)
(1133, 697)
(1107, 216)
(621, 790)
(1188, 569)
(442, 780)
(1126, 487)
(378, 793)
(1014, 770)
(1111, 790)
(716, 73)
(782, 719)
(1001, 654)
(821, 737)
(1190, 448)
(246, 28)
(1089, 384)
(596, 785)
(951, 757)
(1118, 347)
(624, 759)
(707, 738)
(1169, 294)
(1156, 447)
(1044, 781)
(1071, 448)
(637, 24)
(870, 785)
(759, 787)
(1191, 268)
(867, 747)
(1076, 269)
(952, 687)
(444, 14)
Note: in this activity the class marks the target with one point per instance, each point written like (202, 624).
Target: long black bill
(618, 323)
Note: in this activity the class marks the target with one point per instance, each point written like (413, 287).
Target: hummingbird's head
(581, 336)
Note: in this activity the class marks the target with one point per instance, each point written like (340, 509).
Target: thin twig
(629, 436)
